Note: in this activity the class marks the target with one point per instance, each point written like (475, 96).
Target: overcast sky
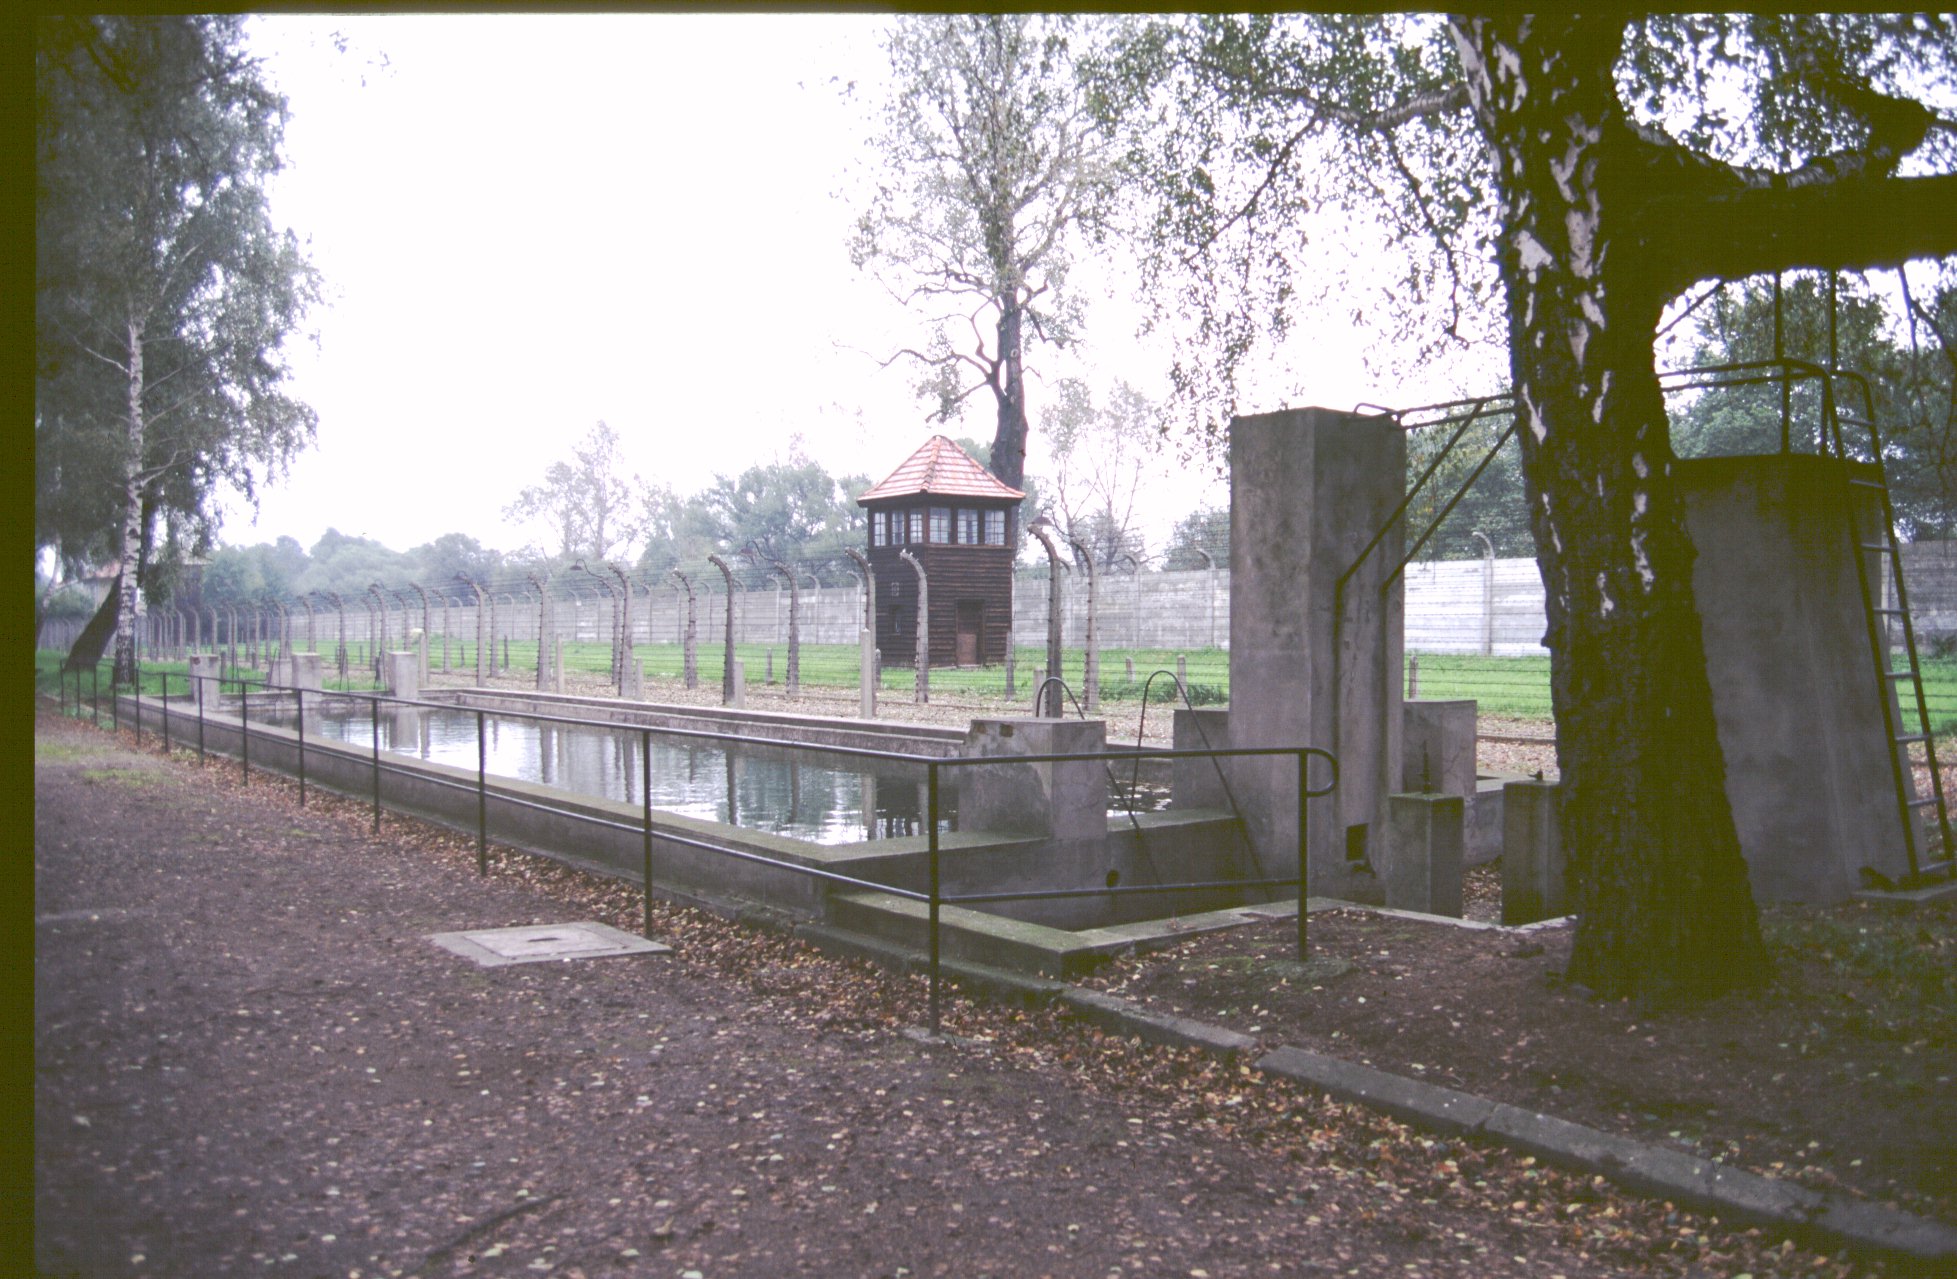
(528, 223)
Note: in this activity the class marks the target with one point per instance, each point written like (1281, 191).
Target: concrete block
(1419, 866)
(1060, 800)
(307, 671)
(1533, 884)
(1198, 783)
(739, 693)
(1437, 747)
(403, 674)
(1795, 691)
(1481, 842)
(205, 669)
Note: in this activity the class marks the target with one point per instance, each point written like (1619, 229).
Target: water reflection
(751, 784)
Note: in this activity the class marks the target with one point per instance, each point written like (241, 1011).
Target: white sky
(527, 223)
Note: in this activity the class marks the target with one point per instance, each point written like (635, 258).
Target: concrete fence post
(923, 654)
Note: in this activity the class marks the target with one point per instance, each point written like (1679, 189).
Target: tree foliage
(593, 506)
(164, 293)
(1907, 361)
(1100, 453)
(995, 169)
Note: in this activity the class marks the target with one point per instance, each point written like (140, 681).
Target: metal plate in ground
(535, 943)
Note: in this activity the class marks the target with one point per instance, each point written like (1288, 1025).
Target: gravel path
(249, 1059)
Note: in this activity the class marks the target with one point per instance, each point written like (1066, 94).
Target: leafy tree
(1599, 157)
(349, 565)
(1207, 530)
(164, 294)
(793, 511)
(1910, 384)
(1099, 454)
(996, 169)
(593, 507)
(451, 553)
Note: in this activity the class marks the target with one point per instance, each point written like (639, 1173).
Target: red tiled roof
(940, 469)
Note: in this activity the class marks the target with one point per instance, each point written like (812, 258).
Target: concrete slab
(536, 943)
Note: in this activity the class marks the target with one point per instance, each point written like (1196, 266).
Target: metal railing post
(300, 695)
(645, 794)
(139, 706)
(95, 695)
(166, 713)
(374, 716)
(482, 804)
(1304, 841)
(244, 732)
(931, 817)
(198, 688)
(115, 704)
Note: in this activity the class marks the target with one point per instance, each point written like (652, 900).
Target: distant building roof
(940, 469)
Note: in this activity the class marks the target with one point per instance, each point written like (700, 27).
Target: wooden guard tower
(956, 519)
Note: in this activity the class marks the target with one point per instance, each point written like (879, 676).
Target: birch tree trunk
(1660, 887)
(124, 671)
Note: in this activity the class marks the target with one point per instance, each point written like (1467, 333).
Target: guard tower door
(971, 625)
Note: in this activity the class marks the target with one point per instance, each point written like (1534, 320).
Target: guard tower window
(941, 523)
(968, 530)
(917, 524)
(995, 528)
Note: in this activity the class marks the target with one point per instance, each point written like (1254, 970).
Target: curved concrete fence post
(543, 627)
(1090, 695)
(794, 683)
(869, 587)
(727, 635)
(377, 630)
(1049, 691)
(427, 631)
(482, 673)
(923, 656)
(626, 672)
(1209, 588)
(689, 654)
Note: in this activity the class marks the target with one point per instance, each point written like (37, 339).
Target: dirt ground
(249, 1059)
(1837, 1076)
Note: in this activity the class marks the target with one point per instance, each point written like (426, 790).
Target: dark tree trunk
(1664, 906)
(1009, 387)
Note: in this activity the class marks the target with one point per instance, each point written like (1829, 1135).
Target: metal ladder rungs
(1865, 484)
(1912, 739)
(1888, 612)
(1925, 802)
(1882, 548)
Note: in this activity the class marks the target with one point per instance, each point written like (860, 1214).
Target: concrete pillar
(557, 652)
(1795, 691)
(1420, 864)
(1437, 747)
(1309, 489)
(1532, 853)
(1062, 801)
(204, 674)
(737, 687)
(403, 669)
(1198, 783)
(307, 671)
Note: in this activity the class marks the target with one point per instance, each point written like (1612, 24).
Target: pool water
(801, 793)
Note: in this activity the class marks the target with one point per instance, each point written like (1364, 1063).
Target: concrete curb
(1732, 1194)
